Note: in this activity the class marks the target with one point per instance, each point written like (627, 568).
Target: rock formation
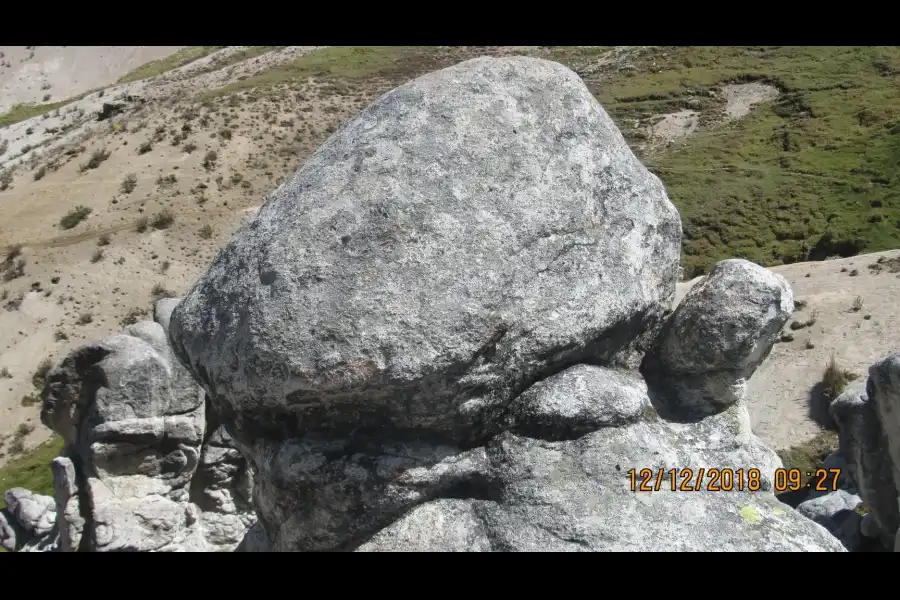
(869, 423)
(449, 331)
(145, 465)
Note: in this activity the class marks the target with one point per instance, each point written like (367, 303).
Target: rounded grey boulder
(471, 232)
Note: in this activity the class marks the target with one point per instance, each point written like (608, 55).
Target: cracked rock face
(139, 471)
(428, 338)
(869, 424)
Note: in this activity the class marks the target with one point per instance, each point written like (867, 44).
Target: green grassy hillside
(812, 174)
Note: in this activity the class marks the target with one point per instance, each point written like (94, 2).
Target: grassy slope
(32, 470)
(810, 175)
(173, 61)
(22, 112)
(813, 174)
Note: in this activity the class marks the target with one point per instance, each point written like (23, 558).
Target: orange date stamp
(695, 480)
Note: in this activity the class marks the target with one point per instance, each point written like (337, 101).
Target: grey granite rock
(138, 461)
(472, 231)
(869, 424)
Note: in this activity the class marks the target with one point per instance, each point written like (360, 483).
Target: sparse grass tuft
(85, 318)
(163, 219)
(97, 256)
(97, 158)
(142, 224)
(133, 316)
(206, 232)
(209, 160)
(128, 184)
(158, 292)
(75, 216)
(103, 240)
(857, 304)
(835, 379)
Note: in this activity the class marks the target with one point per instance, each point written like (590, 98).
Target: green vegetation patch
(809, 456)
(173, 61)
(812, 174)
(32, 470)
(23, 112)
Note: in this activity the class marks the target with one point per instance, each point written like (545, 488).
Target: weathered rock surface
(429, 338)
(28, 523)
(719, 334)
(869, 423)
(139, 471)
(836, 511)
(471, 232)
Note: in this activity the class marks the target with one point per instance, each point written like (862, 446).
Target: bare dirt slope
(61, 72)
(853, 303)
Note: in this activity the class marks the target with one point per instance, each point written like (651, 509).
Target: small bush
(60, 336)
(97, 256)
(14, 271)
(163, 220)
(167, 181)
(85, 318)
(30, 400)
(39, 174)
(15, 302)
(145, 147)
(835, 379)
(6, 179)
(189, 147)
(103, 240)
(133, 316)
(209, 161)
(158, 292)
(225, 133)
(95, 160)
(5, 374)
(13, 252)
(128, 184)
(142, 224)
(75, 216)
(40, 375)
(857, 304)
(164, 267)
(206, 232)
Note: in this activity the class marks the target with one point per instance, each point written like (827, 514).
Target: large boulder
(429, 338)
(471, 232)
(869, 426)
(141, 469)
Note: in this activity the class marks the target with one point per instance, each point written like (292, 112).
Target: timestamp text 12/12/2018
(729, 480)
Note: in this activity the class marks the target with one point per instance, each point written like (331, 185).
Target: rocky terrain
(381, 350)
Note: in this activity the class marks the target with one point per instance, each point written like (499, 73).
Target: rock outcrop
(449, 331)
(869, 424)
(145, 466)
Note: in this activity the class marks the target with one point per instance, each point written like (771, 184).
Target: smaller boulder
(717, 337)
